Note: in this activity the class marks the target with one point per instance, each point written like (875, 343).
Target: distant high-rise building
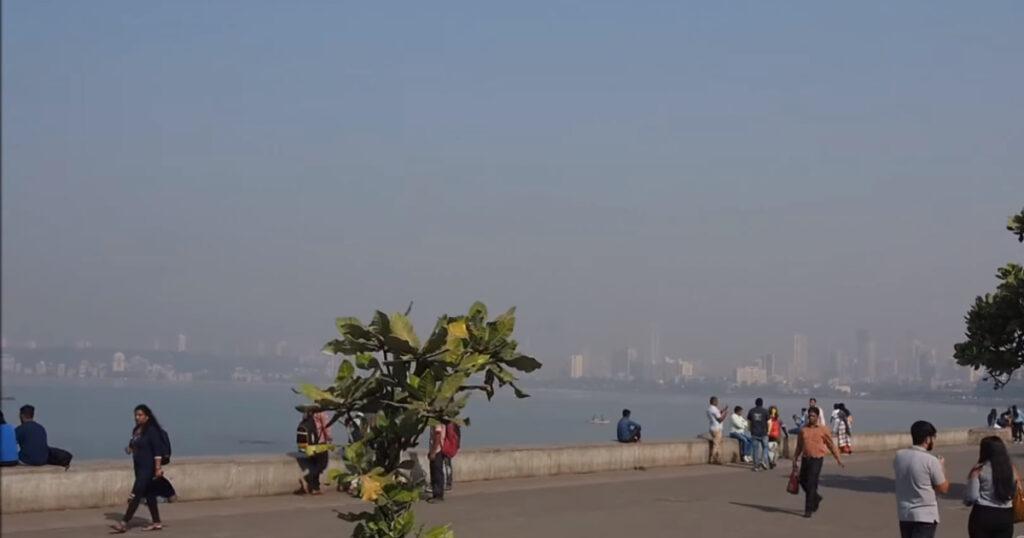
(686, 369)
(769, 364)
(798, 366)
(838, 364)
(867, 356)
(626, 363)
(156, 344)
(751, 375)
(182, 343)
(576, 366)
(280, 348)
(118, 364)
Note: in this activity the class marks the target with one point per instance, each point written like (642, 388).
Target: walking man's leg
(917, 529)
(449, 475)
(810, 469)
(437, 476)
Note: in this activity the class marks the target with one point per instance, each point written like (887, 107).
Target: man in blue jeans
(757, 419)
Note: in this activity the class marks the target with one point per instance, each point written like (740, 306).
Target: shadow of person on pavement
(866, 484)
(770, 509)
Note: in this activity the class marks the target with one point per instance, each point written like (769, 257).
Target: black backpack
(59, 457)
(165, 458)
(306, 434)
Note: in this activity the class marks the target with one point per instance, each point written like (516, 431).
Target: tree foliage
(403, 386)
(995, 323)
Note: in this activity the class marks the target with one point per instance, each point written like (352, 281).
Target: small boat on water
(596, 419)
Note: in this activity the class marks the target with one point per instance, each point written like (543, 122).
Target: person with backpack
(452, 443)
(435, 456)
(150, 450)
(313, 437)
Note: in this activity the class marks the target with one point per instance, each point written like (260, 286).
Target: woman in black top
(147, 450)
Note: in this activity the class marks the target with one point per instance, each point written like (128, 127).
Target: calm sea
(94, 420)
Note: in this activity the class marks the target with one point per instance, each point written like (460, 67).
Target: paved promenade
(686, 501)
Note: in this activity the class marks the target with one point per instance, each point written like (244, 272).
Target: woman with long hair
(776, 432)
(993, 417)
(148, 451)
(991, 485)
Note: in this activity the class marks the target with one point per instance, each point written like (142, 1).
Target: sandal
(153, 527)
(120, 528)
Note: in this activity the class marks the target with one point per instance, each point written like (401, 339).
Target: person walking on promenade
(627, 431)
(991, 485)
(739, 430)
(313, 437)
(841, 428)
(776, 432)
(436, 458)
(148, 451)
(919, 475)
(758, 421)
(812, 403)
(1018, 425)
(716, 416)
(812, 445)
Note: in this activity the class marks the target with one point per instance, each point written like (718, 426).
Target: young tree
(995, 324)
(403, 387)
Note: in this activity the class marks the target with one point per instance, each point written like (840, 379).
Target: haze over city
(726, 176)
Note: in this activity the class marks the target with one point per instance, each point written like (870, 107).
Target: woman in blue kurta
(148, 451)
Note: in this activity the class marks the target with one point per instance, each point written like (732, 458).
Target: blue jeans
(744, 440)
(760, 450)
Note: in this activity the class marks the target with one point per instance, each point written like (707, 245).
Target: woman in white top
(991, 485)
(740, 432)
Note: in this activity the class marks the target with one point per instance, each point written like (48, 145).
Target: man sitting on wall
(628, 431)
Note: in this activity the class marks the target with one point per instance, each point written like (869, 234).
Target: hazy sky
(732, 174)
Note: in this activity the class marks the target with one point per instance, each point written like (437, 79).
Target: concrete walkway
(687, 501)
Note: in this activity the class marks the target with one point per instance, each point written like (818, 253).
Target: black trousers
(989, 522)
(142, 489)
(810, 470)
(917, 529)
(449, 473)
(1018, 431)
(317, 465)
(437, 476)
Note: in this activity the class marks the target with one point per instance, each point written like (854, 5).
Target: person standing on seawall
(811, 446)
(990, 488)
(1018, 425)
(148, 451)
(715, 416)
(919, 476)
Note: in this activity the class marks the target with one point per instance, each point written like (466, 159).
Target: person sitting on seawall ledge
(31, 437)
(627, 431)
(8, 444)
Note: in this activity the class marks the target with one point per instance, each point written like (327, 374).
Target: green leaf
(506, 323)
(381, 325)
(366, 361)
(401, 327)
(345, 371)
(314, 393)
(437, 338)
(478, 311)
(440, 532)
(450, 386)
(473, 363)
(524, 363)
(519, 393)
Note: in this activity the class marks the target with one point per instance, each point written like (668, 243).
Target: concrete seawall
(107, 483)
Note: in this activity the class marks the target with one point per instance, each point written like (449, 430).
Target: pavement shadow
(770, 509)
(865, 484)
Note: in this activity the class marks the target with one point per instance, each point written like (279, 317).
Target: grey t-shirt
(917, 474)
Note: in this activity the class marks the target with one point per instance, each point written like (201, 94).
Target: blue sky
(732, 174)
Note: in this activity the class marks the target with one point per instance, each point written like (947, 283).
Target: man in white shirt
(715, 418)
(738, 430)
(919, 475)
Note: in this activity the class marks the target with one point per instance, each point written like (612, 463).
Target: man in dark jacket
(31, 437)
